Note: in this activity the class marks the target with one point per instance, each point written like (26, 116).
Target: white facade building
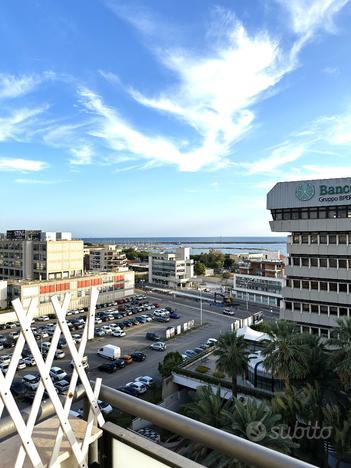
(317, 213)
(106, 258)
(171, 269)
(3, 294)
(258, 289)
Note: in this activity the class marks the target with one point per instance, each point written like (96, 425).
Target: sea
(230, 245)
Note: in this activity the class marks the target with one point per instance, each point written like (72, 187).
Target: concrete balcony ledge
(44, 436)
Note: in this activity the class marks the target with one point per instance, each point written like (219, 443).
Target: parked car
(4, 367)
(174, 315)
(145, 379)
(118, 333)
(85, 363)
(109, 367)
(198, 350)
(13, 335)
(146, 317)
(61, 386)
(99, 332)
(128, 359)
(190, 353)
(31, 381)
(105, 407)
(59, 354)
(129, 391)
(5, 359)
(43, 318)
(56, 373)
(77, 338)
(29, 360)
(211, 341)
(152, 336)
(21, 364)
(18, 388)
(138, 356)
(228, 312)
(138, 386)
(158, 346)
(109, 352)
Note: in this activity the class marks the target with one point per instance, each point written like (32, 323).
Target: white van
(109, 352)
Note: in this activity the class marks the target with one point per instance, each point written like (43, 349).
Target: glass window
(304, 238)
(305, 285)
(278, 215)
(333, 311)
(343, 312)
(305, 262)
(342, 238)
(305, 307)
(323, 286)
(315, 331)
(332, 239)
(296, 284)
(322, 239)
(297, 306)
(323, 263)
(333, 287)
(343, 287)
(314, 238)
(332, 213)
(286, 214)
(288, 283)
(314, 285)
(324, 332)
(306, 329)
(313, 213)
(288, 305)
(342, 212)
(314, 262)
(304, 213)
(296, 238)
(314, 308)
(342, 263)
(323, 309)
(295, 214)
(296, 261)
(333, 263)
(322, 213)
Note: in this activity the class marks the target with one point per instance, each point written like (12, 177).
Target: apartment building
(171, 269)
(317, 214)
(105, 258)
(111, 285)
(35, 255)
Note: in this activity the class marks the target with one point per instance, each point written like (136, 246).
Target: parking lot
(214, 322)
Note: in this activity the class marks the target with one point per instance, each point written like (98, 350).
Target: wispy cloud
(82, 155)
(24, 165)
(16, 124)
(12, 86)
(38, 181)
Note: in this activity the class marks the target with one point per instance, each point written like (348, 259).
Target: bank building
(317, 214)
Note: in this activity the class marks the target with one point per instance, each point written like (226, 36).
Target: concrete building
(112, 286)
(36, 255)
(106, 258)
(3, 294)
(317, 214)
(171, 269)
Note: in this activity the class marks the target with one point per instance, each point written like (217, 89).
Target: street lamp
(201, 307)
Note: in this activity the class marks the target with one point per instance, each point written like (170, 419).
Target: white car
(4, 367)
(145, 379)
(98, 320)
(61, 386)
(105, 408)
(29, 360)
(5, 359)
(21, 364)
(118, 333)
(138, 386)
(44, 318)
(59, 354)
(77, 338)
(211, 341)
(56, 373)
(107, 329)
(31, 381)
(146, 317)
(158, 346)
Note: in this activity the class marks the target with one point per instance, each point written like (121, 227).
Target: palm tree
(232, 357)
(208, 406)
(170, 362)
(285, 354)
(339, 423)
(340, 357)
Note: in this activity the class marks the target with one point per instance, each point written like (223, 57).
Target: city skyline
(155, 119)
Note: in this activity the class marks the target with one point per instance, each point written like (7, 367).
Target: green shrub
(202, 369)
(219, 374)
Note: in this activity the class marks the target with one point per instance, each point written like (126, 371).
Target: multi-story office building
(111, 285)
(258, 289)
(317, 213)
(171, 269)
(106, 258)
(36, 255)
(268, 268)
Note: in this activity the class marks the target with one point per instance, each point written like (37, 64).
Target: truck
(109, 351)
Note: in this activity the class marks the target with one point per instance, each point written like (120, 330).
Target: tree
(170, 362)
(199, 269)
(285, 353)
(226, 275)
(207, 407)
(232, 357)
(340, 358)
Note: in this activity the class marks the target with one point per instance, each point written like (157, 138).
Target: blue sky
(161, 118)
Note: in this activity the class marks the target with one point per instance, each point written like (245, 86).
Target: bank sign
(306, 191)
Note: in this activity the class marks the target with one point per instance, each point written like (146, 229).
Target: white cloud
(82, 155)
(110, 77)
(25, 165)
(280, 156)
(16, 124)
(12, 86)
(309, 16)
(37, 181)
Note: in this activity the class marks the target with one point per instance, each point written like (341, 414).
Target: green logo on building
(305, 191)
